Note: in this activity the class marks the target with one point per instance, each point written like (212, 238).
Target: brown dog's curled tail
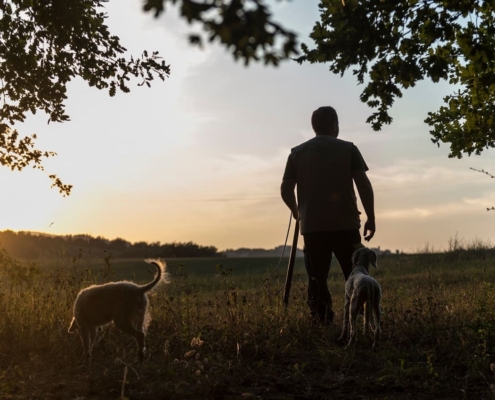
(161, 275)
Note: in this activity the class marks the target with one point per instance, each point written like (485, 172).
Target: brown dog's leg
(127, 327)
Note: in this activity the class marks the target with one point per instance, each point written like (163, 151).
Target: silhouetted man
(324, 169)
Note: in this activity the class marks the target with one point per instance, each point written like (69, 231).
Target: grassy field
(220, 331)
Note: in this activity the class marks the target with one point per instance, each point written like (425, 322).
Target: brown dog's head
(364, 257)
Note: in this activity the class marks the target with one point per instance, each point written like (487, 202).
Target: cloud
(488, 200)
(408, 173)
(462, 209)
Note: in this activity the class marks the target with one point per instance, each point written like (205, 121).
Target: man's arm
(289, 197)
(365, 190)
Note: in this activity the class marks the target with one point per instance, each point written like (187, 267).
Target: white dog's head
(364, 257)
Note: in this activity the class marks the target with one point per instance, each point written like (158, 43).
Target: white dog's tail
(160, 276)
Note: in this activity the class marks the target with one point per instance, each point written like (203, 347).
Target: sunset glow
(200, 156)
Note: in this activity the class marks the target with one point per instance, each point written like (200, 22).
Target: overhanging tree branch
(45, 44)
(245, 27)
(393, 45)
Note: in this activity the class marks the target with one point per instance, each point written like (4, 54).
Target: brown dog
(124, 303)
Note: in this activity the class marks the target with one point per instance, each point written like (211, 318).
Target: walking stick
(290, 268)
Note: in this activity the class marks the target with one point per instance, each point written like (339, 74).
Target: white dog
(124, 303)
(361, 290)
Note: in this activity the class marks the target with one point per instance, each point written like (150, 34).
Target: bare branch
(491, 176)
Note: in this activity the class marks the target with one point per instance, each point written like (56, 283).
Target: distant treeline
(275, 252)
(278, 251)
(34, 245)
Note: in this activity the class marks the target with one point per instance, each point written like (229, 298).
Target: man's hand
(370, 227)
(295, 214)
(365, 190)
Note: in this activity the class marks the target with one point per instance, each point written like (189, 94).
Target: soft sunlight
(211, 246)
(27, 202)
(201, 156)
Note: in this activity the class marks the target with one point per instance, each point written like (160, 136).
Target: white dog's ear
(373, 259)
(354, 257)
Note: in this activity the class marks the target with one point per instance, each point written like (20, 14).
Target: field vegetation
(220, 331)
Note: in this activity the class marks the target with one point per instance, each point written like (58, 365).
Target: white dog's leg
(378, 317)
(354, 309)
(367, 317)
(345, 321)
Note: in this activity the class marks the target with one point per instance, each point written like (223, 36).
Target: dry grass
(225, 335)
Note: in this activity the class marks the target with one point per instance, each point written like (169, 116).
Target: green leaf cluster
(43, 46)
(245, 27)
(391, 45)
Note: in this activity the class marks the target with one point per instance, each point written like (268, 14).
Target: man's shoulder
(321, 140)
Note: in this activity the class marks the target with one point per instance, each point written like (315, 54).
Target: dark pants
(318, 250)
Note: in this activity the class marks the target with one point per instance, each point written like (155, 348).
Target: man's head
(325, 121)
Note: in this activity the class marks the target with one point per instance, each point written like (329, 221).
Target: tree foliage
(44, 44)
(245, 27)
(391, 45)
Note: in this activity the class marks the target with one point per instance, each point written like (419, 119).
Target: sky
(200, 157)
